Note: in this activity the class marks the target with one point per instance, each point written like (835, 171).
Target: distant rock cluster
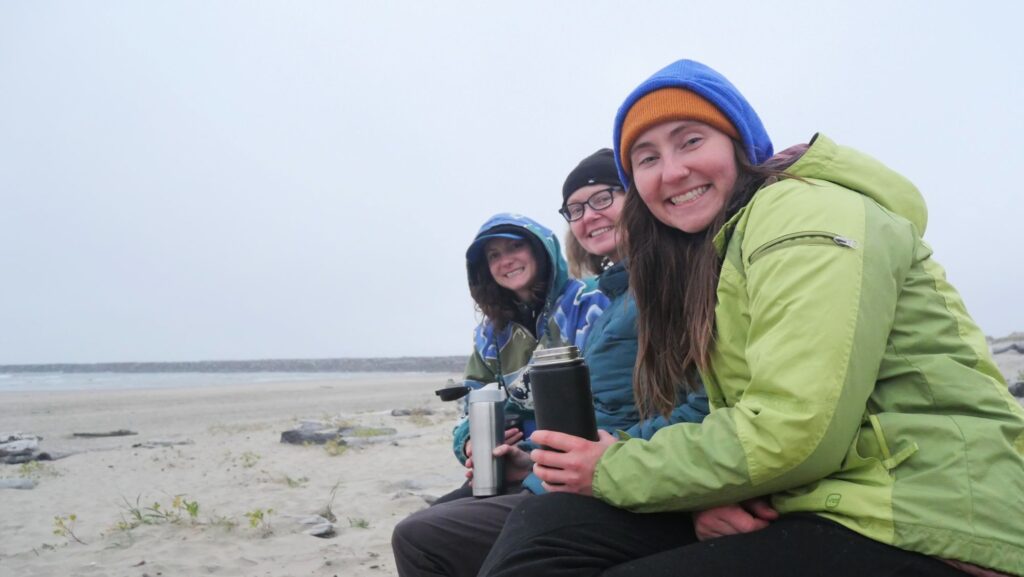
(1008, 351)
(1017, 389)
(1011, 347)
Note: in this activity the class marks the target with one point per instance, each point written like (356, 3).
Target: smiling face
(512, 265)
(685, 172)
(596, 230)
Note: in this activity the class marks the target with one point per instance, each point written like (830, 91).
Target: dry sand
(234, 466)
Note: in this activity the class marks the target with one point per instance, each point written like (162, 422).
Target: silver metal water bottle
(487, 431)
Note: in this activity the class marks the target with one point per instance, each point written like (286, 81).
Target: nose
(589, 213)
(675, 169)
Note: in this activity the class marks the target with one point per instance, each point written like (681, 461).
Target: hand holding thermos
(559, 381)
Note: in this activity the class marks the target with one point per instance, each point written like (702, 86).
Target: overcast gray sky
(238, 180)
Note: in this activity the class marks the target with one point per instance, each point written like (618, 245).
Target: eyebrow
(592, 194)
(685, 124)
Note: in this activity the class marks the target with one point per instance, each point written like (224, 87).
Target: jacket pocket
(804, 238)
(890, 460)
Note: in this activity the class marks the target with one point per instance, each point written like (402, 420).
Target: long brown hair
(581, 263)
(497, 303)
(675, 335)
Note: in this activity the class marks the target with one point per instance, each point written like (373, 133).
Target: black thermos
(560, 384)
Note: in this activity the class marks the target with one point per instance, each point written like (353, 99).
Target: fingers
(726, 520)
(761, 508)
(570, 480)
(707, 525)
(513, 436)
(556, 440)
(747, 524)
(570, 461)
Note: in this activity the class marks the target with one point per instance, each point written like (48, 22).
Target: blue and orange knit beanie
(688, 90)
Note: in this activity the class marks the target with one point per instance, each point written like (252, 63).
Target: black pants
(462, 492)
(451, 539)
(560, 534)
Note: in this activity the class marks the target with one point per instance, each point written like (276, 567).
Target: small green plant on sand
(249, 459)
(260, 519)
(335, 448)
(294, 483)
(156, 513)
(358, 523)
(226, 523)
(370, 432)
(180, 503)
(65, 527)
(36, 470)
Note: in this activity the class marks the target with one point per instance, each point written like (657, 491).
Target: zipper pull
(844, 242)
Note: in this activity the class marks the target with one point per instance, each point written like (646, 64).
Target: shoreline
(124, 381)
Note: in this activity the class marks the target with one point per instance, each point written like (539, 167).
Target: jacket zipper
(802, 239)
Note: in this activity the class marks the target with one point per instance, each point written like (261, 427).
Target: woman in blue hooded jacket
(520, 283)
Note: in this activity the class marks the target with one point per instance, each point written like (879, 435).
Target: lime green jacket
(847, 379)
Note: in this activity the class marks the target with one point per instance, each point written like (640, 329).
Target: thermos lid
(486, 396)
(555, 355)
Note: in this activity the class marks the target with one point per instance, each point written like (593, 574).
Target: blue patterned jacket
(570, 310)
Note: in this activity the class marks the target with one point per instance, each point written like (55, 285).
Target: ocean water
(43, 382)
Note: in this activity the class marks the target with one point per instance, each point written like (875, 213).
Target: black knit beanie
(598, 168)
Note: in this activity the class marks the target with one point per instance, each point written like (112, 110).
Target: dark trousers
(451, 539)
(559, 534)
(461, 493)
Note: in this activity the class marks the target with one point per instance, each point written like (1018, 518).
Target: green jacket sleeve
(804, 324)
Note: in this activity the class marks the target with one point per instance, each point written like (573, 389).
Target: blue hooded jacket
(569, 311)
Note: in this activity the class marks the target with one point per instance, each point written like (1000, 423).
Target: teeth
(600, 231)
(516, 272)
(691, 195)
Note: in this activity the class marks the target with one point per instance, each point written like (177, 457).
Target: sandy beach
(219, 447)
(232, 464)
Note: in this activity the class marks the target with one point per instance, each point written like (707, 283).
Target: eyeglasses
(600, 200)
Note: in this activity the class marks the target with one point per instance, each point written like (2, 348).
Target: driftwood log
(117, 433)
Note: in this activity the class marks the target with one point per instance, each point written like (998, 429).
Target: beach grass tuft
(335, 448)
(37, 470)
(65, 527)
(260, 519)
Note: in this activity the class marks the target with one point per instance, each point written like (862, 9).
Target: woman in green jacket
(859, 425)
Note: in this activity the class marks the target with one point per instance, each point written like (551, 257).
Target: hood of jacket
(558, 274)
(825, 160)
(852, 169)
